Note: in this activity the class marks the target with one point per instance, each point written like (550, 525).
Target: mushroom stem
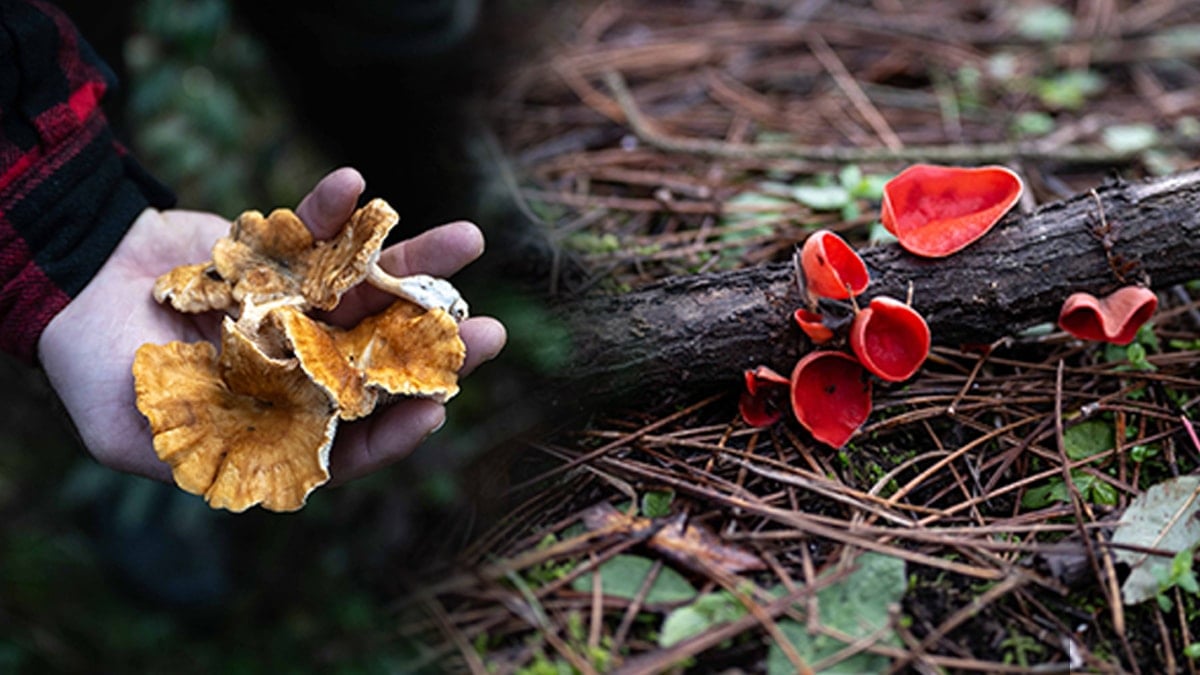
(420, 289)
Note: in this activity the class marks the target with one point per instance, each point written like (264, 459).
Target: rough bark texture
(705, 329)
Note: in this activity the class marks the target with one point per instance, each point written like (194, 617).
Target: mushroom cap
(316, 349)
(407, 351)
(813, 325)
(240, 429)
(265, 259)
(254, 423)
(755, 403)
(1115, 318)
(763, 375)
(935, 211)
(831, 396)
(890, 339)
(194, 289)
(831, 268)
(336, 265)
(756, 411)
(404, 350)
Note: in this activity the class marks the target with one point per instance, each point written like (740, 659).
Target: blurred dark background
(238, 106)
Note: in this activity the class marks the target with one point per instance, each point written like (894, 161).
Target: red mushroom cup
(890, 339)
(935, 211)
(756, 405)
(831, 396)
(1114, 318)
(831, 268)
(813, 325)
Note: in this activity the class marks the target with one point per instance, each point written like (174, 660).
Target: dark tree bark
(705, 329)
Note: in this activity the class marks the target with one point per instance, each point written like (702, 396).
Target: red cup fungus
(1114, 318)
(755, 404)
(890, 339)
(831, 268)
(813, 325)
(831, 396)
(935, 211)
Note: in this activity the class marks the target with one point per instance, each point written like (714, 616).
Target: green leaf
(709, 610)
(1043, 495)
(1087, 438)
(1069, 90)
(1188, 127)
(590, 242)
(850, 176)
(761, 209)
(682, 624)
(1141, 453)
(822, 197)
(1135, 353)
(851, 211)
(857, 606)
(752, 232)
(877, 234)
(1130, 137)
(1182, 574)
(1044, 23)
(1166, 516)
(1102, 493)
(1148, 338)
(1033, 123)
(622, 577)
(1192, 651)
(872, 187)
(657, 503)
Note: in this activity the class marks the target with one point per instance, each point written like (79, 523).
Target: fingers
(392, 433)
(439, 252)
(329, 205)
(388, 435)
(484, 337)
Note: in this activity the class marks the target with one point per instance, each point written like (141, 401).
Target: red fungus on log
(755, 405)
(831, 396)
(813, 325)
(890, 339)
(935, 211)
(1114, 318)
(831, 268)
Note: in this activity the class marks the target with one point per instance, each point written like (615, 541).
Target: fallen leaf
(622, 576)
(1165, 517)
(707, 611)
(856, 605)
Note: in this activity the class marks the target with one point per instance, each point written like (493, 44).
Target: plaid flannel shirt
(68, 190)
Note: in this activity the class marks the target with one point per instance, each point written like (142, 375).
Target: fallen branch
(705, 329)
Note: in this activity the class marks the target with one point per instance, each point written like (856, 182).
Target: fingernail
(440, 423)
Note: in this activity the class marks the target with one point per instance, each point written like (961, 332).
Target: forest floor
(969, 525)
(973, 523)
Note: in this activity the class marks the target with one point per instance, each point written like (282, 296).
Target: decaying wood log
(703, 330)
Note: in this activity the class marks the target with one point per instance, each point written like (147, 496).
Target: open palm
(87, 349)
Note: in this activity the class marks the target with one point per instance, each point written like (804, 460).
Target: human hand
(87, 349)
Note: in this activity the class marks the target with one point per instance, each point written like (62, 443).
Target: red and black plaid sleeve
(68, 189)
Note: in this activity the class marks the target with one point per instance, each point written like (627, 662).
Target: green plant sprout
(1180, 574)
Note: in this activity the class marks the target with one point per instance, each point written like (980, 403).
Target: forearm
(68, 190)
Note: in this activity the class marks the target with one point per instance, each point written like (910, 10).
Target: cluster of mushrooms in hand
(253, 423)
(933, 211)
